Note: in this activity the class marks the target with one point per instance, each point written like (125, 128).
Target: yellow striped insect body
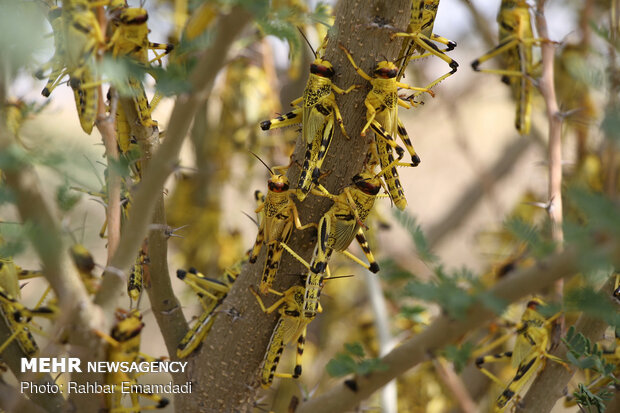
(421, 38)
(279, 216)
(85, 265)
(82, 36)
(211, 292)
(337, 228)
(130, 38)
(291, 327)
(382, 116)
(382, 104)
(529, 353)
(381, 154)
(319, 113)
(56, 64)
(17, 318)
(124, 347)
(135, 282)
(516, 38)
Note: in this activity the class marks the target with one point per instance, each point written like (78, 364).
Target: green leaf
(66, 197)
(341, 365)
(592, 302)
(369, 365)
(392, 272)
(530, 234)
(611, 124)
(355, 349)
(492, 302)
(353, 362)
(22, 26)
(414, 313)
(408, 222)
(459, 355)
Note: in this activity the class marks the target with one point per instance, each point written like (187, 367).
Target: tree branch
(445, 330)
(165, 159)
(547, 90)
(81, 316)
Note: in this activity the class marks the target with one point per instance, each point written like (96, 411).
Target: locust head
(385, 70)
(278, 183)
(367, 183)
(322, 68)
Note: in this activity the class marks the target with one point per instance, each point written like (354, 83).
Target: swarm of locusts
(81, 43)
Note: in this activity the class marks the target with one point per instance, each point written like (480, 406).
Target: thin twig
(547, 90)
(107, 128)
(446, 373)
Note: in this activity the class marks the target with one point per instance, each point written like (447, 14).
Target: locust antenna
(400, 58)
(308, 42)
(263, 162)
(340, 276)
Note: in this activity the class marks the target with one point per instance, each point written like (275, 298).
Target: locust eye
(366, 186)
(277, 186)
(386, 72)
(321, 70)
(533, 305)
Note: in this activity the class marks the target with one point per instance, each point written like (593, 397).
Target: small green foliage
(21, 34)
(414, 313)
(446, 290)
(590, 402)
(419, 239)
(531, 235)
(12, 239)
(459, 355)
(353, 361)
(66, 197)
(594, 303)
(493, 303)
(600, 212)
(611, 124)
(321, 14)
(392, 272)
(13, 157)
(585, 355)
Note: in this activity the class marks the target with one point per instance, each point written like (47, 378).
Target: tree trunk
(225, 370)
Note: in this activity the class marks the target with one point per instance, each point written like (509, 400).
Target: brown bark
(225, 370)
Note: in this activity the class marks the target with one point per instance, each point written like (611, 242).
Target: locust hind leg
(272, 263)
(372, 265)
(287, 119)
